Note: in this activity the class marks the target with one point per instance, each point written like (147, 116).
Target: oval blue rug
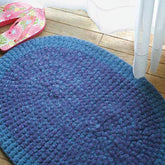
(65, 101)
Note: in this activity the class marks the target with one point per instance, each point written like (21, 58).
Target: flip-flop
(23, 29)
(12, 12)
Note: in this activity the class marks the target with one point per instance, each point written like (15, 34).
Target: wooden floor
(77, 24)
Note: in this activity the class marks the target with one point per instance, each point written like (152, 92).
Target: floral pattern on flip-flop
(12, 35)
(8, 38)
(40, 14)
(3, 40)
(5, 47)
(34, 30)
(16, 6)
(6, 16)
(16, 10)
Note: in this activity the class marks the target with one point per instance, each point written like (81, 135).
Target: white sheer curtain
(74, 4)
(150, 12)
(109, 15)
(119, 15)
(142, 36)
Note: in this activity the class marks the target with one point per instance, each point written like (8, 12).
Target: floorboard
(68, 30)
(71, 19)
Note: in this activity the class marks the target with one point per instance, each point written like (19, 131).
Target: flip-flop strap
(25, 31)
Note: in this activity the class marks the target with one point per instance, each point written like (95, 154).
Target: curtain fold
(158, 36)
(150, 12)
(142, 36)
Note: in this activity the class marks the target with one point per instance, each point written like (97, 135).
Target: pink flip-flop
(25, 28)
(12, 12)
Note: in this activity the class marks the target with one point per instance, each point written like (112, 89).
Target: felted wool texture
(66, 101)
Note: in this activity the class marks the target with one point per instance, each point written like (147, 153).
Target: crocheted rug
(67, 101)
